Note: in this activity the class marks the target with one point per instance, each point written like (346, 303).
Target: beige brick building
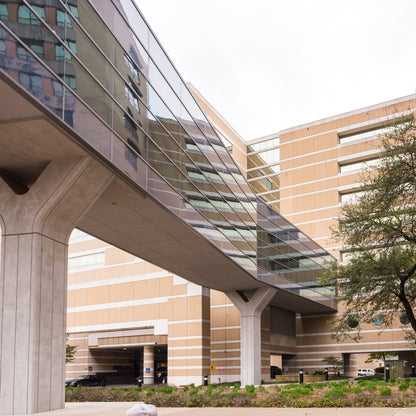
(129, 317)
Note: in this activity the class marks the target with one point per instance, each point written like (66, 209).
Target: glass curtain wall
(100, 57)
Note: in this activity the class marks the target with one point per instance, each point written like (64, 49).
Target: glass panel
(26, 16)
(74, 10)
(4, 15)
(63, 18)
(2, 47)
(40, 11)
(135, 20)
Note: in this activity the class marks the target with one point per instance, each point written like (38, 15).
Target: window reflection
(4, 15)
(26, 16)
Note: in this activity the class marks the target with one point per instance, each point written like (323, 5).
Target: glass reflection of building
(101, 56)
(263, 169)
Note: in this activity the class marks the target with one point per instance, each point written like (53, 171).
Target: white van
(366, 372)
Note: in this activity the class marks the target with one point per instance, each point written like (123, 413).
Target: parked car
(366, 372)
(88, 380)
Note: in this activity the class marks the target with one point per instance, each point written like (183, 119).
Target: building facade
(96, 70)
(321, 165)
(309, 171)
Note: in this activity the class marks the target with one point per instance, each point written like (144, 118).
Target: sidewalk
(120, 408)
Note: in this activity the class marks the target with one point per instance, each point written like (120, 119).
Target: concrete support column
(35, 231)
(148, 364)
(251, 306)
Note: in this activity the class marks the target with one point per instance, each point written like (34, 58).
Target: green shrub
(193, 392)
(404, 386)
(357, 389)
(318, 373)
(335, 393)
(185, 388)
(251, 390)
(371, 387)
(291, 386)
(299, 392)
(166, 389)
(150, 391)
(385, 391)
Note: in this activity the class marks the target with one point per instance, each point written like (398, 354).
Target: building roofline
(350, 113)
(333, 118)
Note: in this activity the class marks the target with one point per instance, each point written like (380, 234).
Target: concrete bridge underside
(52, 182)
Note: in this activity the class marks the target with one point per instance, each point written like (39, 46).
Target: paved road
(119, 409)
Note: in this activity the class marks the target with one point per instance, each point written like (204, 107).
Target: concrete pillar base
(35, 231)
(251, 309)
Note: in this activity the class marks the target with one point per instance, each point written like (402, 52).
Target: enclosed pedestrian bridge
(99, 132)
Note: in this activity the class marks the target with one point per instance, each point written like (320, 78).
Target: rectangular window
(37, 49)
(74, 11)
(60, 51)
(22, 53)
(70, 80)
(58, 89)
(132, 67)
(40, 11)
(351, 197)
(131, 97)
(26, 16)
(62, 18)
(72, 46)
(369, 134)
(31, 82)
(359, 166)
(4, 15)
(2, 47)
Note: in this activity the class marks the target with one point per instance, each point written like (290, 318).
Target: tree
(70, 352)
(379, 356)
(378, 231)
(335, 363)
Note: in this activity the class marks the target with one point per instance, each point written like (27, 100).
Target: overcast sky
(267, 65)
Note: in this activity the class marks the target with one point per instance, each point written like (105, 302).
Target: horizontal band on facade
(225, 305)
(364, 331)
(221, 328)
(160, 325)
(311, 211)
(191, 347)
(120, 280)
(230, 341)
(189, 357)
(357, 351)
(190, 337)
(125, 304)
(189, 321)
(77, 338)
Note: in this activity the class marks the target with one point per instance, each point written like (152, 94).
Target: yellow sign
(212, 367)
